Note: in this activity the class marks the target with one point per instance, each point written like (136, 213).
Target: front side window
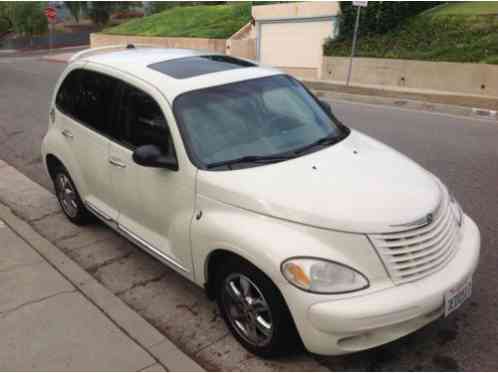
(142, 122)
(251, 120)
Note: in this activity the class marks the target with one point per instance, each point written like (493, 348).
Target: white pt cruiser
(236, 176)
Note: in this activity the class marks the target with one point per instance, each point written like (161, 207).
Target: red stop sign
(50, 13)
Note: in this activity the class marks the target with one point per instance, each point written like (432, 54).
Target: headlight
(322, 276)
(457, 210)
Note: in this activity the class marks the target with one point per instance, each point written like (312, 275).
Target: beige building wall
(291, 36)
(294, 44)
(293, 10)
(458, 78)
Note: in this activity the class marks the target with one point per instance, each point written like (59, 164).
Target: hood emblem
(426, 220)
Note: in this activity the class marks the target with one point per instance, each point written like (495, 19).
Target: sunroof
(188, 67)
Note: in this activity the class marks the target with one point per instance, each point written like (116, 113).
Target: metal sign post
(359, 5)
(50, 40)
(51, 15)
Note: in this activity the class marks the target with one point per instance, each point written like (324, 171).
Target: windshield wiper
(327, 140)
(249, 159)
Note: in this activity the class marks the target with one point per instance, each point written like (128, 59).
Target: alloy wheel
(247, 310)
(67, 195)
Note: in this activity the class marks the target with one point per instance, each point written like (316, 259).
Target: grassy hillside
(463, 32)
(205, 21)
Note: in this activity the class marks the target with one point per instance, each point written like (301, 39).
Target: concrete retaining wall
(213, 45)
(459, 78)
(242, 48)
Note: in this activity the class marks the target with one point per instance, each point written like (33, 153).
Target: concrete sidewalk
(54, 316)
(47, 324)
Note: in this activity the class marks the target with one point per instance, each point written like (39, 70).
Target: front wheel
(255, 311)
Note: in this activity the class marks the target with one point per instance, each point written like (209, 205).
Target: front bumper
(360, 322)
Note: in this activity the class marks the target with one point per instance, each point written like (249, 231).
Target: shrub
(379, 16)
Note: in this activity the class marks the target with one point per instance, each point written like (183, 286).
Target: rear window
(87, 96)
(188, 67)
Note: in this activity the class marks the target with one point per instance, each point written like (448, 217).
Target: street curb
(131, 323)
(470, 105)
(400, 103)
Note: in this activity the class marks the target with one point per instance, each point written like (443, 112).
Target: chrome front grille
(412, 254)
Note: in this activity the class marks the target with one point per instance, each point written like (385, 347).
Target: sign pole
(353, 48)
(50, 41)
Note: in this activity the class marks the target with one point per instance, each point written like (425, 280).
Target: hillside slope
(463, 32)
(204, 21)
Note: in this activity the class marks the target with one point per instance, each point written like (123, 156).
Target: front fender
(266, 242)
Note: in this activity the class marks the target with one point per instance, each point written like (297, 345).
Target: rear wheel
(255, 311)
(69, 199)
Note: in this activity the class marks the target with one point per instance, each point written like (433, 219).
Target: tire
(239, 312)
(69, 198)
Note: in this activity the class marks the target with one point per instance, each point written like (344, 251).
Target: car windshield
(247, 123)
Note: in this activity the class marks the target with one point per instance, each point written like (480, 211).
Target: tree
(379, 16)
(75, 8)
(6, 23)
(100, 11)
(26, 18)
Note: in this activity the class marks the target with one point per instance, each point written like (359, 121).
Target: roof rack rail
(107, 48)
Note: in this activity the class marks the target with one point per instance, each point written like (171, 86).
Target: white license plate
(455, 297)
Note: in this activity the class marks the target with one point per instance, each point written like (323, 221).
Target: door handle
(67, 134)
(117, 163)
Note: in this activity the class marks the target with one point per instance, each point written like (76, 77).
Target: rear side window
(142, 121)
(87, 97)
(66, 95)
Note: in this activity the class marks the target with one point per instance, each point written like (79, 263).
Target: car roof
(137, 61)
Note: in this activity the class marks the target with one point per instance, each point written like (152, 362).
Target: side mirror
(326, 106)
(152, 156)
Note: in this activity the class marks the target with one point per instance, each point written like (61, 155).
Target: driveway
(462, 151)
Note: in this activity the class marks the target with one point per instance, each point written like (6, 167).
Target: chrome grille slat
(438, 227)
(432, 258)
(413, 254)
(439, 214)
(424, 244)
(424, 256)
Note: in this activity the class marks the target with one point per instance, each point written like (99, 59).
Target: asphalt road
(462, 151)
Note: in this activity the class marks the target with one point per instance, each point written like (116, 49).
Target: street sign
(50, 13)
(362, 4)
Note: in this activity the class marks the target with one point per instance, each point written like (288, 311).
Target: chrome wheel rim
(247, 310)
(67, 195)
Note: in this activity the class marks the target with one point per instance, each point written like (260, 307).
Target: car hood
(357, 185)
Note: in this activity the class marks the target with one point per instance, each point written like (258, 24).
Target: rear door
(86, 126)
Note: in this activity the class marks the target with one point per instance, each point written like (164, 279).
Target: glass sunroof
(188, 67)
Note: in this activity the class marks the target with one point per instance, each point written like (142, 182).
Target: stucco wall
(460, 78)
(213, 45)
(240, 48)
(292, 10)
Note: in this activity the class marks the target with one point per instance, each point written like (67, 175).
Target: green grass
(434, 35)
(474, 8)
(204, 21)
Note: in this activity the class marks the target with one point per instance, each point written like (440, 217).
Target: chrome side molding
(151, 249)
(98, 212)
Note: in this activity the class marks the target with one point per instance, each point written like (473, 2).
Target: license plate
(455, 297)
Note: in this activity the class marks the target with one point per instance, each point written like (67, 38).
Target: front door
(155, 205)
